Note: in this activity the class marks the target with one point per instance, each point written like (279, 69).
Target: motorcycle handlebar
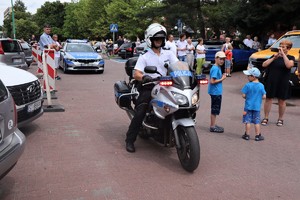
(154, 80)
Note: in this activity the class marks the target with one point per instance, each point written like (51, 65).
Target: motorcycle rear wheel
(189, 151)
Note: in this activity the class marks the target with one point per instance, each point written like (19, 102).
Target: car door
(241, 53)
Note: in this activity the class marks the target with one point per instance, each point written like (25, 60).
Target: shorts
(182, 58)
(251, 116)
(216, 101)
(227, 64)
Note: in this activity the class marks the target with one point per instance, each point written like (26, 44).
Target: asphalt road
(79, 154)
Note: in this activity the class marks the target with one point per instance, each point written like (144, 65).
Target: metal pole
(113, 45)
(13, 19)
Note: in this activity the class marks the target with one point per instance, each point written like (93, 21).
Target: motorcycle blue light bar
(181, 73)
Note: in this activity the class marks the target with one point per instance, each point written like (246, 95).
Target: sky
(31, 5)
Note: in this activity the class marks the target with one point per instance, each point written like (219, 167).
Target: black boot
(130, 147)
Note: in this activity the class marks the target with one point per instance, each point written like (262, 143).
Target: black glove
(147, 79)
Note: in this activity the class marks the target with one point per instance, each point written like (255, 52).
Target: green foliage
(52, 13)
(25, 28)
(91, 18)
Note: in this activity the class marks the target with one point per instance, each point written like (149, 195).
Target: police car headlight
(70, 59)
(180, 99)
(195, 98)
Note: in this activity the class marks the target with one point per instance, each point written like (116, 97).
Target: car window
(9, 46)
(295, 39)
(3, 92)
(126, 45)
(79, 48)
(25, 45)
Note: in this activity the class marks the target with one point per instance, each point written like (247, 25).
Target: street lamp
(13, 18)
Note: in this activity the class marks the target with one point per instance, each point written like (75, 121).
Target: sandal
(279, 122)
(265, 121)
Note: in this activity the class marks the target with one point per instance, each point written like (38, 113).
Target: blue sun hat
(252, 71)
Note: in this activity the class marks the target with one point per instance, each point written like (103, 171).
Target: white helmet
(155, 30)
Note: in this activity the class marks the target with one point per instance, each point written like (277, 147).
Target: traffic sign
(113, 28)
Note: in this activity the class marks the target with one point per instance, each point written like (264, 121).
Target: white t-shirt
(190, 46)
(57, 53)
(181, 45)
(271, 41)
(171, 46)
(201, 48)
(152, 59)
(248, 43)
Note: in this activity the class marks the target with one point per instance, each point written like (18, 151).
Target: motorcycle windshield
(181, 75)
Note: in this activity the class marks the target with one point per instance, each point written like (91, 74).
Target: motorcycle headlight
(180, 99)
(195, 98)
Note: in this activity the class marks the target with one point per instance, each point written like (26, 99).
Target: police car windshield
(79, 48)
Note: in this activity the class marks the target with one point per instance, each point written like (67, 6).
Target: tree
(22, 18)
(52, 13)
(128, 16)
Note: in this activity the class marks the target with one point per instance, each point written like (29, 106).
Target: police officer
(155, 37)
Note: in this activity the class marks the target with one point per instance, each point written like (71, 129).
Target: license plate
(19, 60)
(34, 106)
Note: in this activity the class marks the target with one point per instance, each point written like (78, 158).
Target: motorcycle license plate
(34, 106)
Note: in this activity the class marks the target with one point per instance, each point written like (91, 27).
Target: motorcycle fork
(175, 132)
(170, 134)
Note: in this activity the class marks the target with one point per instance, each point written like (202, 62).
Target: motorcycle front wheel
(189, 151)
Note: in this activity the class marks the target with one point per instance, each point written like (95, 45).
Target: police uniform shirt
(152, 59)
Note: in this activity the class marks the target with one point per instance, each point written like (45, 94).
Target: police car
(79, 55)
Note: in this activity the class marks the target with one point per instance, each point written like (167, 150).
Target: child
(228, 60)
(253, 93)
(215, 90)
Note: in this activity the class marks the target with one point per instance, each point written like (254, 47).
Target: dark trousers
(140, 112)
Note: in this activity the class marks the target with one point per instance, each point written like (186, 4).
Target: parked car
(28, 52)
(77, 55)
(26, 90)
(141, 49)
(240, 54)
(11, 53)
(258, 58)
(125, 50)
(12, 140)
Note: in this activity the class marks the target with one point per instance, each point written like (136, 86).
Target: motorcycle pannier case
(122, 94)
(129, 66)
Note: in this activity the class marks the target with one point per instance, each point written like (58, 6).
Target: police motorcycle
(170, 119)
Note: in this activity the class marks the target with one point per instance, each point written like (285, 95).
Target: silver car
(27, 51)
(11, 53)
(12, 140)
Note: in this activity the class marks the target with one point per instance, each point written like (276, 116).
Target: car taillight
(201, 79)
(129, 49)
(1, 49)
(166, 81)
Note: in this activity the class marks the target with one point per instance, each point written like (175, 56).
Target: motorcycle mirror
(150, 69)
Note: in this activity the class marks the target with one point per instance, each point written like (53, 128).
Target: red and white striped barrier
(37, 55)
(50, 64)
